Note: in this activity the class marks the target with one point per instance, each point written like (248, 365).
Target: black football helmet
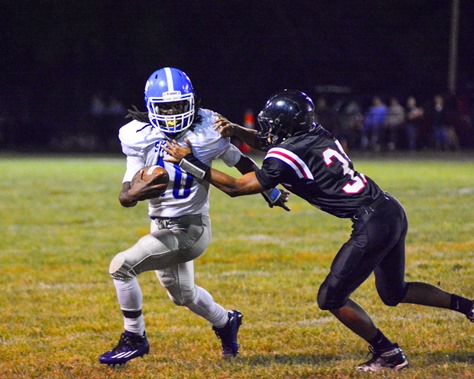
(285, 113)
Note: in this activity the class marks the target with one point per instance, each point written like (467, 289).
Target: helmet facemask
(171, 116)
(271, 131)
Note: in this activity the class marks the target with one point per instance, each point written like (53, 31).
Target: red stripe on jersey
(292, 160)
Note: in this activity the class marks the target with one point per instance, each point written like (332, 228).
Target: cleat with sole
(392, 359)
(130, 346)
(228, 335)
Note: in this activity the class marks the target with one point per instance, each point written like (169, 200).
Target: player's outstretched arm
(230, 129)
(274, 197)
(245, 185)
(246, 164)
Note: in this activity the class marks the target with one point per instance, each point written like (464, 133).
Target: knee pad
(121, 266)
(116, 268)
(331, 295)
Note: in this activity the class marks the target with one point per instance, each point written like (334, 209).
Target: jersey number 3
(358, 181)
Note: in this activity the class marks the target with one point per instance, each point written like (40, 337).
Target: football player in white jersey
(180, 224)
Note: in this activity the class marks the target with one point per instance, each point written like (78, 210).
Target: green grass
(61, 224)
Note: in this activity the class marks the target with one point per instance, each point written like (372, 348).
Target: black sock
(460, 304)
(380, 342)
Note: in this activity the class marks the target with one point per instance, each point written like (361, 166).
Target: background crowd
(396, 123)
(375, 123)
(440, 123)
(58, 55)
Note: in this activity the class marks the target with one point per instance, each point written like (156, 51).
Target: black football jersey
(314, 166)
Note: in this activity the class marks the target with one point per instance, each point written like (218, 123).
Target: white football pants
(169, 249)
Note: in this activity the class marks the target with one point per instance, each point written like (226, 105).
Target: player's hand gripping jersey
(314, 166)
(142, 143)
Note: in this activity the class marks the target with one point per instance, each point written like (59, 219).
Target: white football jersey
(142, 144)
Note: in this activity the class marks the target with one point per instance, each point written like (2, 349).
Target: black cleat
(392, 359)
(470, 314)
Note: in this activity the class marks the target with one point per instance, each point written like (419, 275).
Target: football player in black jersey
(309, 162)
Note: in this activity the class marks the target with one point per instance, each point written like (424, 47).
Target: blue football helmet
(170, 100)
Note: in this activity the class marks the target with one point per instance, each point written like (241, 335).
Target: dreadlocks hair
(136, 114)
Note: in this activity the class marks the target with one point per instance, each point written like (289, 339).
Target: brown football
(151, 173)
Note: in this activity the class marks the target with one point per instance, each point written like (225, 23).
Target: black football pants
(377, 244)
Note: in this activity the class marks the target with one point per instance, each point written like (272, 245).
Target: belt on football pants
(367, 209)
(165, 222)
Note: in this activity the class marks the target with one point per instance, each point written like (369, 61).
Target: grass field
(61, 224)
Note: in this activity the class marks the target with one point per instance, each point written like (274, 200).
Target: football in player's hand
(154, 176)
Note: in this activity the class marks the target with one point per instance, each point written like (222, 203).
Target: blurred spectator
(393, 122)
(463, 121)
(115, 114)
(374, 120)
(325, 116)
(97, 112)
(106, 118)
(97, 106)
(349, 123)
(452, 124)
(438, 119)
(115, 108)
(413, 119)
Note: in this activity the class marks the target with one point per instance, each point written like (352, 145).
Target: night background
(56, 55)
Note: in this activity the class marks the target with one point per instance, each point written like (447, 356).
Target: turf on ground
(61, 224)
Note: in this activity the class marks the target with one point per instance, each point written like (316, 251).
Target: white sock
(204, 306)
(135, 325)
(130, 298)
